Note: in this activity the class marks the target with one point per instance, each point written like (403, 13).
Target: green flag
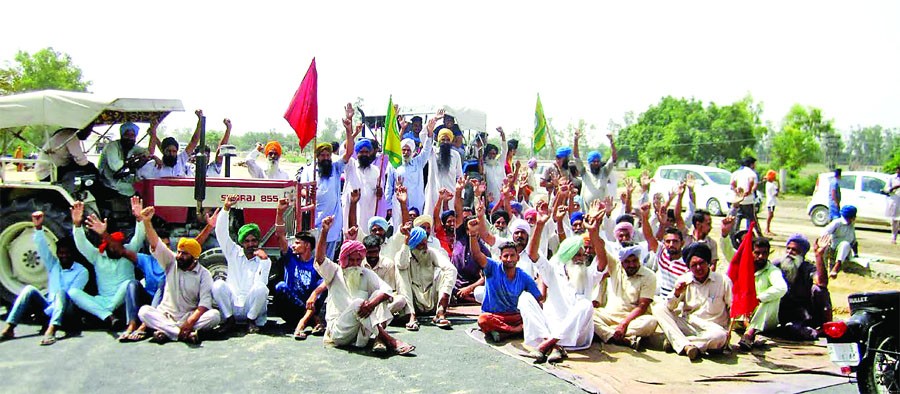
(540, 127)
(392, 136)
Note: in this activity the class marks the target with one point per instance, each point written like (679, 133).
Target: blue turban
(594, 156)
(446, 215)
(633, 250)
(563, 152)
(416, 236)
(416, 210)
(801, 241)
(516, 207)
(128, 126)
(363, 143)
(578, 215)
(378, 221)
(848, 212)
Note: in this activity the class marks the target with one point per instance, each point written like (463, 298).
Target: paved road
(446, 361)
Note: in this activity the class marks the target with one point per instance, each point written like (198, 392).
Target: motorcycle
(868, 343)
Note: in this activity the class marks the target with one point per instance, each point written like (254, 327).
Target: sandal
(193, 338)
(137, 336)
(441, 322)
(745, 344)
(300, 336)
(539, 358)
(379, 347)
(404, 349)
(555, 356)
(124, 336)
(412, 326)
(318, 331)
(48, 340)
(160, 338)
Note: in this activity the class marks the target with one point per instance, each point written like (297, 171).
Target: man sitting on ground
(426, 277)
(186, 307)
(356, 308)
(63, 273)
(807, 304)
(386, 269)
(629, 292)
(299, 296)
(843, 235)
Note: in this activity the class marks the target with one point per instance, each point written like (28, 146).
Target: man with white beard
(493, 166)
(272, 150)
(807, 303)
(410, 174)
(362, 176)
(595, 180)
(357, 306)
(426, 277)
(444, 168)
(565, 320)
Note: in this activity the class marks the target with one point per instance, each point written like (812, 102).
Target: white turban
(408, 142)
(519, 224)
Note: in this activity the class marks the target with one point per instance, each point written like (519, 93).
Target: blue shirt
(59, 280)
(300, 276)
(501, 294)
(834, 187)
(153, 273)
(328, 198)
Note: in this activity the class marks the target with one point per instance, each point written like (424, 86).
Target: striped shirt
(668, 272)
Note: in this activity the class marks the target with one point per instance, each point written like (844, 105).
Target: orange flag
(742, 274)
(303, 113)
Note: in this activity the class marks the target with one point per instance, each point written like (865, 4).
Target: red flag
(742, 273)
(303, 113)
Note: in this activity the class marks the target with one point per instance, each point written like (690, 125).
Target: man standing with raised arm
(244, 293)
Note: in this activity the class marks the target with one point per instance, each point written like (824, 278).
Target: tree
(810, 120)
(331, 131)
(793, 148)
(687, 132)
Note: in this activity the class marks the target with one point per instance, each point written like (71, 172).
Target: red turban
(115, 237)
(349, 248)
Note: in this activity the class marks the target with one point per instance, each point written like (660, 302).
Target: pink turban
(625, 226)
(530, 213)
(349, 248)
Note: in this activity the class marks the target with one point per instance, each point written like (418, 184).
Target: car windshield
(719, 177)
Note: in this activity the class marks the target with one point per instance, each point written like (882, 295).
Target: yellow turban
(422, 219)
(323, 146)
(273, 146)
(190, 246)
(445, 132)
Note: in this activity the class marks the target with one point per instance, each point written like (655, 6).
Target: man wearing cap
(328, 183)
(695, 318)
(121, 154)
(843, 236)
(595, 181)
(444, 168)
(186, 307)
(357, 305)
(565, 321)
(426, 277)
(112, 268)
(63, 273)
(410, 174)
(807, 303)
(272, 150)
(299, 296)
(244, 293)
(626, 318)
(493, 167)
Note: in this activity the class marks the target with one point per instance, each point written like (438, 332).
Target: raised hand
(148, 212)
(461, 183)
(230, 201)
(401, 193)
(403, 124)
(261, 254)
(480, 189)
(543, 212)
(227, 123)
(352, 232)
(679, 190)
(645, 210)
(822, 244)
(472, 227)
(37, 218)
(561, 212)
(356, 131)
(727, 225)
(432, 123)
(326, 224)
(609, 205)
(348, 111)
(77, 212)
(98, 226)
(199, 113)
(596, 208)
(259, 147)
(137, 205)
(355, 194)
(445, 194)
(629, 185)
(645, 181)
(440, 114)
(211, 217)
(689, 181)
(502, 134)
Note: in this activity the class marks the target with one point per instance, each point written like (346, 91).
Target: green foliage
(801, 185)
(793, 148)
(810, 121)
(684, 131)
(871, 145)
(45, 69)
(894, 161)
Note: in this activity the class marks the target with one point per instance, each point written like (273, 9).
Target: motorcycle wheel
(880, 372)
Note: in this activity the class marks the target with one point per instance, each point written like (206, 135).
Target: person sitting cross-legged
(63, 273)
(625, 318)
(426, 277)
(186, 307)
(357, 305)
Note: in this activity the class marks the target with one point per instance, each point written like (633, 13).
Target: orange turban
(273, 146)
(190, 246)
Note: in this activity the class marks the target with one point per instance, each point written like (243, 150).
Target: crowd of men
(560, 258)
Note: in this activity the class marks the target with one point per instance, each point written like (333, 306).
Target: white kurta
(273, 172)
(366, 180)
(345, 327)
(495, 174)
(438, 179)
(247, 278)
(567, 313)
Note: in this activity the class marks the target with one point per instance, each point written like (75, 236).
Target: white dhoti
(171, 324)
(350, 329)
(682, 331)
(574, 330)
(253, 308)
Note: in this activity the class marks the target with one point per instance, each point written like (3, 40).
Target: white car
(862, 189)
(712, 185)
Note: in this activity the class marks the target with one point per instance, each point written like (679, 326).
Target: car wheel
(820, 215)
(714, 207)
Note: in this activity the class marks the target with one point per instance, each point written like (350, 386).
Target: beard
(170, 161)
(597, 171)
(420, 255)
(325, 169)
(352, 277)
(126, 146)
(577, 274)
(365, 161)
(790, 266)
(492, 162)
(565, 165)
(444, 157)
(184, 263)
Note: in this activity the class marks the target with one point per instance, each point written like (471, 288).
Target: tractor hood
(78, 110)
